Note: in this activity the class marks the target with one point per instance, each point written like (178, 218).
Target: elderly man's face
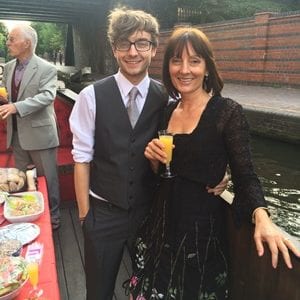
(18, 46)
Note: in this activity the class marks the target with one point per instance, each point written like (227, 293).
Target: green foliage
(209, 10)
(164, 10)
(3, 36)
(245, 8)
(50, 37)
(217, 10)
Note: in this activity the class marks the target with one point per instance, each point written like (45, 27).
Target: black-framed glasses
(140, 45)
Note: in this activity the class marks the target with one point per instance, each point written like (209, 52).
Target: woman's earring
(205, 81)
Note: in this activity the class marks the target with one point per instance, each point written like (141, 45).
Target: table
(48, 276)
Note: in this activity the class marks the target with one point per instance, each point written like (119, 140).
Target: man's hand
(3, 100)
(220, 188)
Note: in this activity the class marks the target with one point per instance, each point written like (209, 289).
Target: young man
(31, 121)
(114, 191)
(113, 180)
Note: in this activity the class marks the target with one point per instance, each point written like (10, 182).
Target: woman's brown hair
(178, 41)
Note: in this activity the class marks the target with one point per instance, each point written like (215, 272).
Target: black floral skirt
(180, 247)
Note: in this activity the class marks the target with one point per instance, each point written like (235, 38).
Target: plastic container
(25, 214)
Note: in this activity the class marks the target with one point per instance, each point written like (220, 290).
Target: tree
(164, 10)
(3, 37)
(204, 11)
(51, 37)
(217, 10)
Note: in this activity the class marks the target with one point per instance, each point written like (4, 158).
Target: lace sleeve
(247, 187)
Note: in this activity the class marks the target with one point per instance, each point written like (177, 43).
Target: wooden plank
(59, 266)
(70, 260)
(77, 231)
(71, 257)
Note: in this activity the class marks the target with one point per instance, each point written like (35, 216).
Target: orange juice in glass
(33, 273)
(3, 93)
(167, 139)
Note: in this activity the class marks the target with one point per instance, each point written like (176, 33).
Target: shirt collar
(22, 65)
(125, 85)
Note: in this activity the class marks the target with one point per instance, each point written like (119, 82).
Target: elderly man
(31, 121)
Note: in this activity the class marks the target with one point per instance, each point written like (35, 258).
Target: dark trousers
(107, 229)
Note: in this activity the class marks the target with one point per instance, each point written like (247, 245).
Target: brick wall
(264, 49)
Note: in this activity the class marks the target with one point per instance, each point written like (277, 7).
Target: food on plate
(10, 247)
(12, 273)
(25, 205)
(11, 180)
(24, 232)
(3, 196)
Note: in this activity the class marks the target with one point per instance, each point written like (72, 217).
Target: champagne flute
(167, 139)
(33, 272)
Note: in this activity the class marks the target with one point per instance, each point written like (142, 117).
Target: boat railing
(253, 277)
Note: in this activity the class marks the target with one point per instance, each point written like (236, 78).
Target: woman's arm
(249, 197)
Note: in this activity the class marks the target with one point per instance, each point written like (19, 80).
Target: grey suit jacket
(37, 128)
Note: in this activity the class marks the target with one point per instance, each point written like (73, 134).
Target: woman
(181, 251)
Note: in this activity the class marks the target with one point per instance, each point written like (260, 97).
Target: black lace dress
(180, 251)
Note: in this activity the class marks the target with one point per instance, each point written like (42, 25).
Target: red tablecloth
(48, 276)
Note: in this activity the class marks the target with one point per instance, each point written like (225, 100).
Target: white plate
(24, 232)
(24, 218)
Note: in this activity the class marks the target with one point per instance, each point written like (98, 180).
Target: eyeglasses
(141, 45)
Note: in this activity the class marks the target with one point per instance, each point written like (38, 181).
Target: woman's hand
(267, 231)
(154, 151)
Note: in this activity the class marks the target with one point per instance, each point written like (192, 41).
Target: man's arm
(82, 125)
(82, 181)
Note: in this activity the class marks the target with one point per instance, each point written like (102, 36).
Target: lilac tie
(132, 108)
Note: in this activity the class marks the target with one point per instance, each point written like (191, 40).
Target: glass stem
(168, 170)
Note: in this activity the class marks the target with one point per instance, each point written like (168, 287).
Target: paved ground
(277, 100)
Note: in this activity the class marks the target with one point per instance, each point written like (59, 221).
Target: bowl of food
(24, 207)
(13, 276)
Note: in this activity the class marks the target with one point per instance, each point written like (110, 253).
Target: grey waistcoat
(120, 173)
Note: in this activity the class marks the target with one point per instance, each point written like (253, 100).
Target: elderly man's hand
(6, 110)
